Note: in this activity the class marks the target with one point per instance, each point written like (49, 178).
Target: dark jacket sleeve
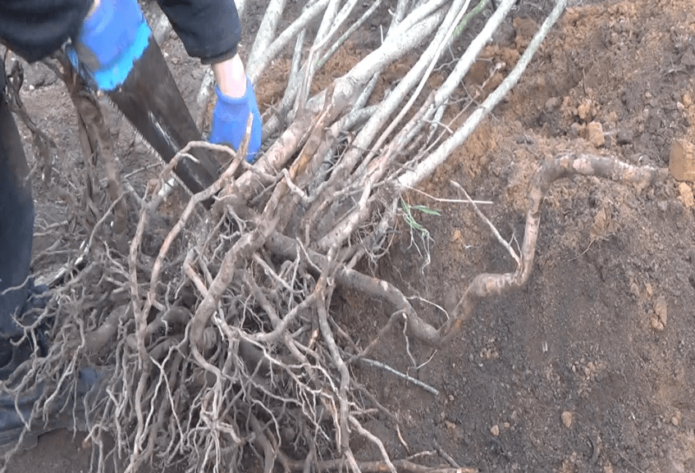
(36, 28)
(210, 29)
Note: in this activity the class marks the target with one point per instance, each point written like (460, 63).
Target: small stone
(495, 430)
(659, 318)
(686, 194)
(680, 106)
(450, 425)
(682, 160)
(584, 110)
(676, 419)
(595, 134)
(567, 419)
(575, 130)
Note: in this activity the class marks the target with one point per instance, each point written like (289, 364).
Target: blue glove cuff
(229, 121)
(113, 38)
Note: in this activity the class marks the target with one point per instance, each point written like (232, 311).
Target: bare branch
(412, 177)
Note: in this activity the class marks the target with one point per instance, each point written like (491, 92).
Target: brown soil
(589, 367)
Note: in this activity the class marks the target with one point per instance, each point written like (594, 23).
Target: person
(105, 35)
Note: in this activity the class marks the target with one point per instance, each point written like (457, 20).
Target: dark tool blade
(150, 99)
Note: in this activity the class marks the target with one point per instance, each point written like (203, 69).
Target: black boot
(13, 353)
(18, 298)
(67, 411)
(16, 221)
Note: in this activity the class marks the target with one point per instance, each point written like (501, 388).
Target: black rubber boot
(16, 233)
(13, 354)
(16, 221)
(66, 411)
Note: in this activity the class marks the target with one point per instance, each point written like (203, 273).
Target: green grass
(410, 219)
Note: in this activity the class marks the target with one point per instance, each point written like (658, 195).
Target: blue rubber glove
(111, 39)
(229, 121)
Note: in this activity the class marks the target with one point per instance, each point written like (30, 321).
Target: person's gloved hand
(229, 121)
(111, 39)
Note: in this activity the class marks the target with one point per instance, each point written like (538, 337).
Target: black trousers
(16, 219)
